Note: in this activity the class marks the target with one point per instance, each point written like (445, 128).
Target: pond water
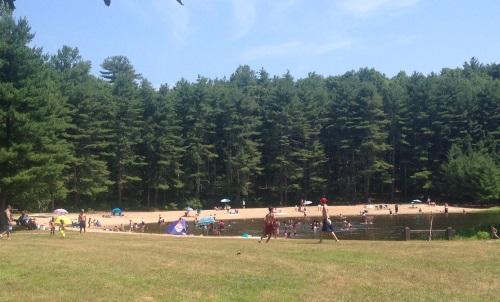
(380, 227)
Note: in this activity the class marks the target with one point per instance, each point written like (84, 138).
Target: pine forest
(70, 138)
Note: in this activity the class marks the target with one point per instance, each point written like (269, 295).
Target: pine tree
(162, 146)
(33, 119)
(126, 124)
(240, 124)
(88, 175)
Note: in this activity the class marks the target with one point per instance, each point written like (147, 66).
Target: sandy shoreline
(252, 213)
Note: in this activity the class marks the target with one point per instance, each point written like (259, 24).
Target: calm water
(379, 228)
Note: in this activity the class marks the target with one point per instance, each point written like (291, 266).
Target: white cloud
(367, 7)
(245, 15)
(294, 48)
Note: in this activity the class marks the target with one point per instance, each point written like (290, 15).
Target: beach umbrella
(60, 212)
(116, 210)
(225, 200)
(307, 202)
(417, 200)
(63, 219)
(202, 221)
(189, 209)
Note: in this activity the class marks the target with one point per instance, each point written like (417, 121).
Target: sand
(108, 221)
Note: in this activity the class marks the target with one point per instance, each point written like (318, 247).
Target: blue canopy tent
(116, 211)
(204, 221)
(177, 227)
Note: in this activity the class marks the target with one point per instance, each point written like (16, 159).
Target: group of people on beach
(271, 223)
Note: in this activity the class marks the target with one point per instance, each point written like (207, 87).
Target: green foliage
(171, 206)
(86, 97)
(482, 235)
(33, 121)
(472, 175)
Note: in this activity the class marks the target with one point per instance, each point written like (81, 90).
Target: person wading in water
(269, 224)
(327, 223)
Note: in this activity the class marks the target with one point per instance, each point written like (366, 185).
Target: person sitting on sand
(269, 225)
(494, 232)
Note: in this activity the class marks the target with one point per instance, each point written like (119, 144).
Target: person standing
(52, 226)
(269, 225)
(396, 208)
(327, 223)
(6, 222)
(243, 203)
(494, 232)
(82, 221)
(62, 228)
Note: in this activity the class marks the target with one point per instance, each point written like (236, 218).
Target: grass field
(115, 267)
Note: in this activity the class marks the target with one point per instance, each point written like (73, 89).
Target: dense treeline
(69, 138)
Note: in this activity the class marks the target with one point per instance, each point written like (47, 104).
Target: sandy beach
(252, 213)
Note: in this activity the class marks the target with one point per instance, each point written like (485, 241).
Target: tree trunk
(393, 174)
(119, 185)
(2, 200)
(77, 194)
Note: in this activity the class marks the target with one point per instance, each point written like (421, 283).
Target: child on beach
(62, 229)
(52, 226)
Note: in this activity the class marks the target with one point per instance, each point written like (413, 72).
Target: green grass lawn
(114, 267)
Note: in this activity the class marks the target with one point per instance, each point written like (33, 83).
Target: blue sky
(166, 41)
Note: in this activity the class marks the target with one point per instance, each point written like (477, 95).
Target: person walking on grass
(82, 221)
(327, 223)
(6, 222)
(269, 225)
(494, 232)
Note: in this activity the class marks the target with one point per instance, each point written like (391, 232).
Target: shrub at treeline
(68, 138)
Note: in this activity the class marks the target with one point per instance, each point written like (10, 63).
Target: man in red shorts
(269, 225)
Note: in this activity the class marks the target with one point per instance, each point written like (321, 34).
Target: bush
(171, 206)
(472, 175)
(482, 235)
